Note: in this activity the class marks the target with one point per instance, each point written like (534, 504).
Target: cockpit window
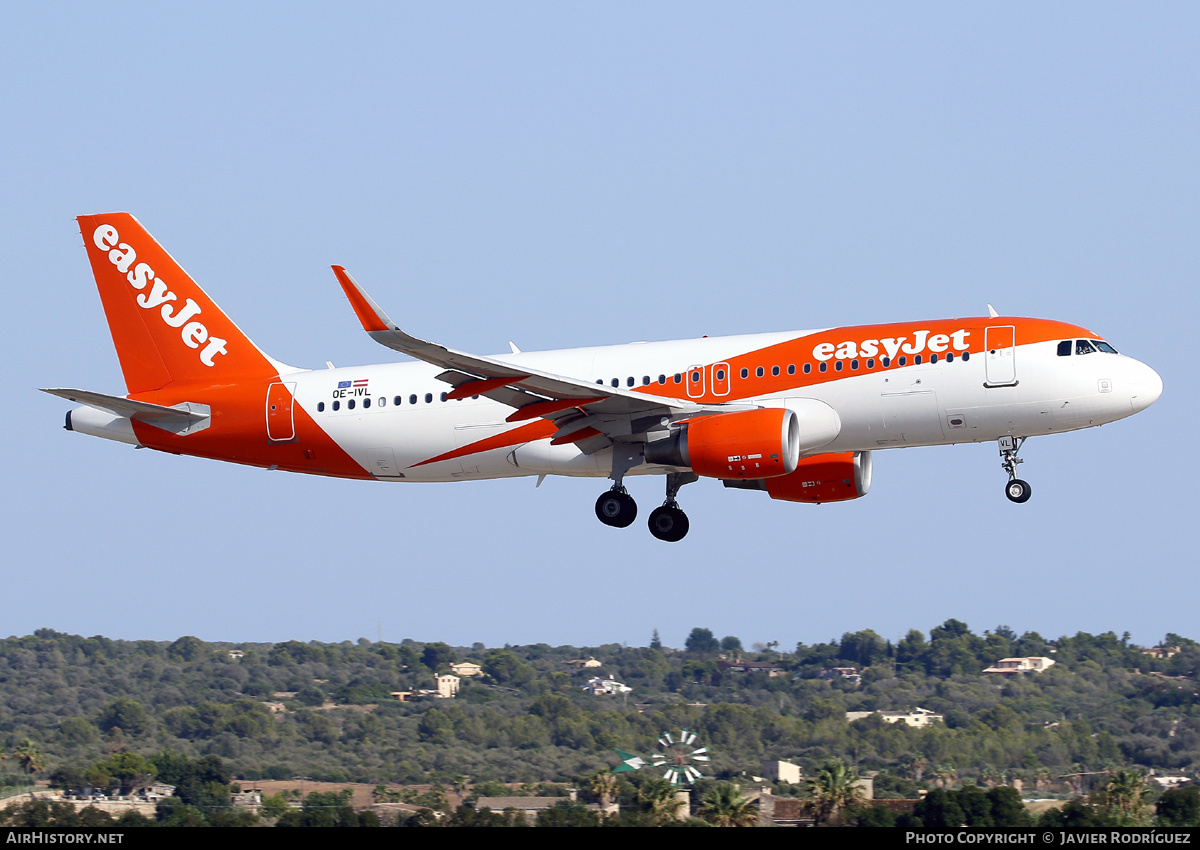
(1064, 347)
(1082, 346)
(1104, 346)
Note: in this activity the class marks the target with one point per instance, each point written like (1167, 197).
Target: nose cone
(1146, 387)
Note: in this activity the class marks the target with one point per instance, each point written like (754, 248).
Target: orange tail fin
(165, 327)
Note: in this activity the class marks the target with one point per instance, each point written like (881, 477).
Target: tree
(833, 789)
(1125, 798)
(30, 758)
(729, 643)
(725, 805)
(655, 643)
(1179, 807)
(125, 714)
(701, 640)
(603, 786)
(657, 798)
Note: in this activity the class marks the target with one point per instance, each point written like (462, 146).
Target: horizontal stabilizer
(186, 417)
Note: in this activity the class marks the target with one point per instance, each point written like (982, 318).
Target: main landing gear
(667, 522)
(616, 508)
(1017, 490)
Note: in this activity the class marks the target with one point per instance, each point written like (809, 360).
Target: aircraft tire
(616, 509)
(1018, 491)
(669, 524)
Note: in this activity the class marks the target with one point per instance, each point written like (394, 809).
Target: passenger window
(1082, 346)
(823, 367)
(933, 358)
(774, 371)
(679, 377)
(383, 402)
(837, 367)
(1064, 348)
(396, 401)
(629, 381)
(917, 360)
(745, 373)
(337, 405)
(662, 379)
(966, 355)
(759, 371)
(853, 365)
(720, 374)
(791, 368)
(412, 399)
(616, 382)
(903, 361)
(350, 404)
(645, 380)
(807, 368)
(444, 396)
(320, 407)
(885, 362)
(950, 357)
(366, 402)
(428, 398)
(870, 362)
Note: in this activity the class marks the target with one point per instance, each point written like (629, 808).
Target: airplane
(794, 414)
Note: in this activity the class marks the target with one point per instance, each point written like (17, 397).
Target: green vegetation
(112, 714)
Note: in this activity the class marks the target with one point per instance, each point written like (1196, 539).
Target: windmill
(678, 757)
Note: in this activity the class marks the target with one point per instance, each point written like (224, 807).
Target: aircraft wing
(581, 409)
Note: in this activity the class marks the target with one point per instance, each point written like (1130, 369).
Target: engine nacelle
(749, 444)
(822, 478)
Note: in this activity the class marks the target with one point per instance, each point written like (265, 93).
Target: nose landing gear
(1016, 490)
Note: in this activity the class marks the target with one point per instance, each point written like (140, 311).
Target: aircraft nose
(1147, 387)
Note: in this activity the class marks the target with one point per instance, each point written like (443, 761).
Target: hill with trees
(326, 711)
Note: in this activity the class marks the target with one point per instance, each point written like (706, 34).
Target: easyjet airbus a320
(796, 414)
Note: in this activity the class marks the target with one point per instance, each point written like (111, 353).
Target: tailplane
(165, 327)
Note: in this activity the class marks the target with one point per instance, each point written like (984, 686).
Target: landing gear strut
(616, 507)
(668, 522)
(1016, 490)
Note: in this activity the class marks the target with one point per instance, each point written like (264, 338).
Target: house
(599, 686)
(917, 717)
(782, 771)
(584, 663)
(771, 668)
(531, 806)
(850, 674)
(1162, 651)
(1019, 666)
(466, 669)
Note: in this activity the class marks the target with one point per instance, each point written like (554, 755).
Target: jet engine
(822, 478)
(749, 444)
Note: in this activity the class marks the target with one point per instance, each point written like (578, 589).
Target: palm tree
(1125, 797)
(833, 789)
(603, 786)
(657, 796)
(725, 805)
(27, 754)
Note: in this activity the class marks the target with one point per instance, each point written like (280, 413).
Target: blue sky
(564, 175)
